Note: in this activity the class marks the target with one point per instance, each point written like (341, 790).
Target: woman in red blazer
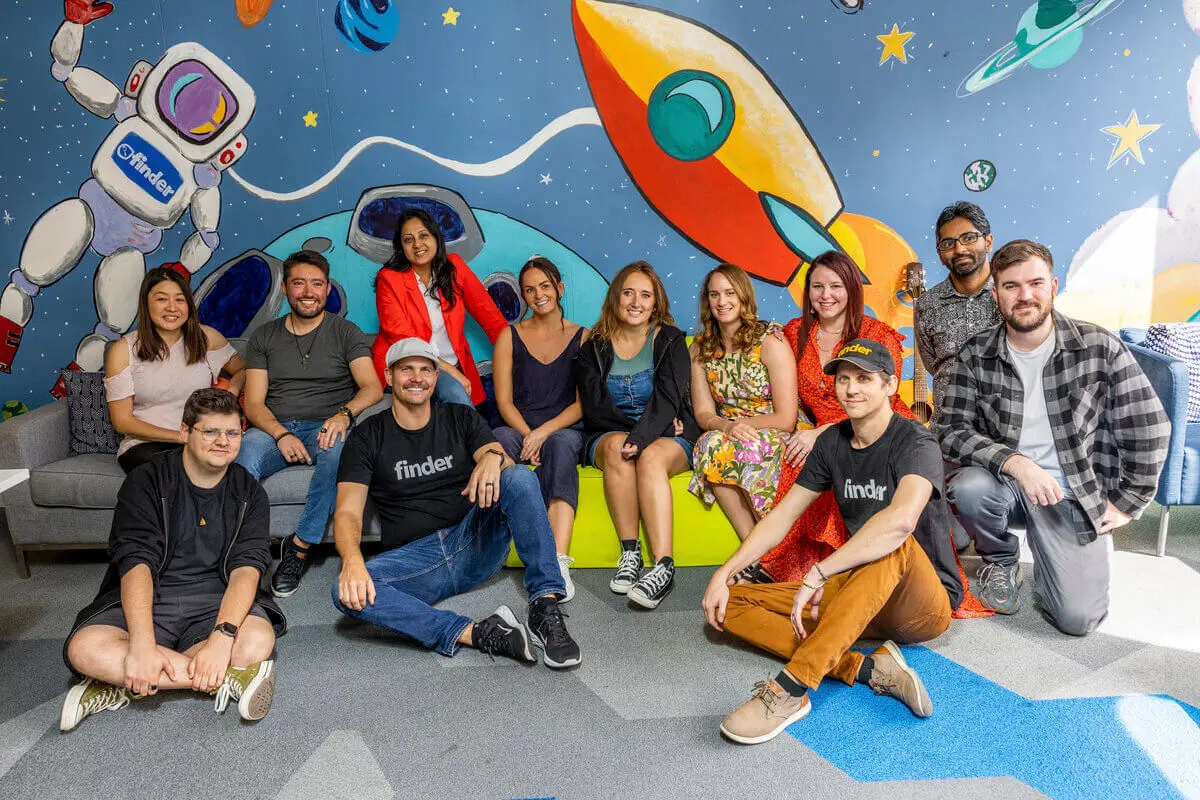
(423, 292)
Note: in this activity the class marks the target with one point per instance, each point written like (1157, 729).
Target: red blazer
(402, 313)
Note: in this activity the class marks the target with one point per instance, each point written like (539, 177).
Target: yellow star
(1129, 138)
(1127, 51)
(450, 17)
(893, 45)
(310, 119)
(875, 153)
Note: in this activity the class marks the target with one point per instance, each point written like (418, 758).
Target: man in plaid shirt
(1053, 426)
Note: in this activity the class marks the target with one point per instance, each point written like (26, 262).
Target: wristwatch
(227, 628)
(349, 414)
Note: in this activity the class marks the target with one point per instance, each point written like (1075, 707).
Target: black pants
(139, 454)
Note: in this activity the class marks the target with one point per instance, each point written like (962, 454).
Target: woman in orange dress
(832, 314)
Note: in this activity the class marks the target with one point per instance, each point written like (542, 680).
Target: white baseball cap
(412, 346)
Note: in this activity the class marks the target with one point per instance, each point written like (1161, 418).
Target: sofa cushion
(87, 413)
(1181, 341)
(87, 481)
(1189, 479)
(289, 486)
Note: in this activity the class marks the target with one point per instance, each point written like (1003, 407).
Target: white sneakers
(564, 566)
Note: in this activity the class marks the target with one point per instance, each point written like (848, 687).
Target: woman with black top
(533, 372)
(634, 383)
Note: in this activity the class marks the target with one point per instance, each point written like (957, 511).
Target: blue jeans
(260, 455)
(410, 579)
(449, 390)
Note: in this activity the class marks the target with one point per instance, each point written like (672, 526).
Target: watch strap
(227, 628)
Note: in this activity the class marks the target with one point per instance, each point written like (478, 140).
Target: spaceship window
(378, 218)
(334, 302)
(690, 114)
(506, 294)
(194, 102)
(234, 300)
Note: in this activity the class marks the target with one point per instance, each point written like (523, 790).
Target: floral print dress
(740, 388)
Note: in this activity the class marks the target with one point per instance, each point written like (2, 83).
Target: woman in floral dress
(744, 395)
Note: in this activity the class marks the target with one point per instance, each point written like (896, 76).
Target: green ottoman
(703, 536)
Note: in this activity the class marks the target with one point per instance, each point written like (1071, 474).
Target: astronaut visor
(379, 217)
(195, 102)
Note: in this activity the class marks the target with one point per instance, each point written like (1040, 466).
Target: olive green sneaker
(252, 687)
(88, 697)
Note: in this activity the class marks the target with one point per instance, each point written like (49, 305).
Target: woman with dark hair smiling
(150, 372)
(533, 369)
(634, 378)
(832, 314)
(423, 292)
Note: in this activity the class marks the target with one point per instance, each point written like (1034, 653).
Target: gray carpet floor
(360, 713)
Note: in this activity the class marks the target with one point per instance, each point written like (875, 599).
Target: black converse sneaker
(652, 587)
(559, 650)
(629, 569)
(293, 561)
(501, 634)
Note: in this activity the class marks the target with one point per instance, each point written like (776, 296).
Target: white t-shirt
(440, 339)
(1037, 439)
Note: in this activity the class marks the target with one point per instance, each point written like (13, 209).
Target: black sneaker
(629, 568)
(501, 634)
(559, 650)
(652, 587)
(293, 561)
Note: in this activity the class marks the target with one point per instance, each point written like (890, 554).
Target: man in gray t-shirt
(308, 376)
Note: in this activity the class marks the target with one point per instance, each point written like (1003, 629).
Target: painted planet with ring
(1043, 47)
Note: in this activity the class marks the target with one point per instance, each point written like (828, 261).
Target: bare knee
(610, 448)
(94, 645)
(255, 641)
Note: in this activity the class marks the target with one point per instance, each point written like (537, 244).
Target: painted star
(8, 218)
(310, 119)
(875, 153)
(545, 179)
(1129, 138)
(893, 45)
(450, 16)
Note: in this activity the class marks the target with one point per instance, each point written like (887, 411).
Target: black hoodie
(141, 534)
(671, 399)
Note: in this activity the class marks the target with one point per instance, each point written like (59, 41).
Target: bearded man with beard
(309, 375)
(956, 309)
(1055, 428)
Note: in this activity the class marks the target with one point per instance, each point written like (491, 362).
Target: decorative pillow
(87, 410)
(1182, 341)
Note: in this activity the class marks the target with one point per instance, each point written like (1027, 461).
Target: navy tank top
(543, 391)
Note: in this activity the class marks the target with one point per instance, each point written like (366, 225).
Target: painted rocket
(714, 148)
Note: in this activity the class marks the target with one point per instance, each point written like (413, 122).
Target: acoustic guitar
(922, 405)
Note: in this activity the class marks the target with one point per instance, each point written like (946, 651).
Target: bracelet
(806, 585)
(824, 577)
(280, 436)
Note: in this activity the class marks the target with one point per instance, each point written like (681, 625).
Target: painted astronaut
(179, 124)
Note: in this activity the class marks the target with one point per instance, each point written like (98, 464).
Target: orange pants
(897, 597)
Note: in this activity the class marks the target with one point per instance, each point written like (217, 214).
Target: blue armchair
(1179, 484)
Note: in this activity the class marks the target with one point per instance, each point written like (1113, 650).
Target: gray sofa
(68, 501)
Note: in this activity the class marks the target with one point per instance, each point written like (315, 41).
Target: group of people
(846, 506)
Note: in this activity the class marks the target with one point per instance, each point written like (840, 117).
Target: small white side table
(10, 478)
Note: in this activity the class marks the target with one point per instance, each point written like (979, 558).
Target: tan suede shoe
(892, 676)
(766, 714)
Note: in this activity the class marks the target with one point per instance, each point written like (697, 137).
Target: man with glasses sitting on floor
(180, 607)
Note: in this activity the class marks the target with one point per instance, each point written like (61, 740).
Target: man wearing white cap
(449, 502)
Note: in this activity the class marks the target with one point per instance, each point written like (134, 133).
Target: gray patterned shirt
(944, 321)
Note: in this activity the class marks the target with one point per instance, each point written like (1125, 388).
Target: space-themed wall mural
(219, 137)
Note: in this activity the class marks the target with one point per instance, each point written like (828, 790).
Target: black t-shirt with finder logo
(864, 482)
(416, 478)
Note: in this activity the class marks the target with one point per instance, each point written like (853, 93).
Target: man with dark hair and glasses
(309, 375)
(961, 306)
(180, 605)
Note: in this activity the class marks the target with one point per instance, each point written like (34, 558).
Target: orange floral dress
(820, 530)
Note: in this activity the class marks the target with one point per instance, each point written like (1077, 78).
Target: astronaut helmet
(195, 100)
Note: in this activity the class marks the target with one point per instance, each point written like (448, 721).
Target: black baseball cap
(866, 354)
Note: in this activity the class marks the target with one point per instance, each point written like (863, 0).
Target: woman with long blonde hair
(744, 395)
(634, 383)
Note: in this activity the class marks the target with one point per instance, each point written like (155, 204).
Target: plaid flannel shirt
(1109, 427)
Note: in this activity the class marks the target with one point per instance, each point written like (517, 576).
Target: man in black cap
(886, 474)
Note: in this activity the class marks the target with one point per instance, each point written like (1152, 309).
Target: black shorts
(180, 621)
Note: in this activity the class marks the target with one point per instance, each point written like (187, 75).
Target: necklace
(296, 338)
(822, 350)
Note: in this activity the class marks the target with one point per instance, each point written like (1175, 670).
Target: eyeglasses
(968, 238)
(212, 434)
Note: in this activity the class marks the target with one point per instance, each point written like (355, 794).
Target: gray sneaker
(998, 587)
